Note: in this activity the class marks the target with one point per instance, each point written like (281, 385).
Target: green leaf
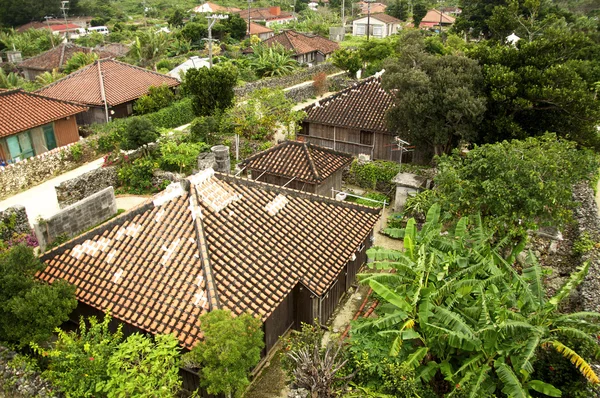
(389, 296)
(544, 388)
(414, 360)
(512, 386)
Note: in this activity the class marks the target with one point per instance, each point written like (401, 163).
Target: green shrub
(369, 174)
(76, 152)
(180, 158)
(176, 115)
(139, 131)
(206, 129)
(156, 99)
(136, 177)
(583, 244)
(110, 141)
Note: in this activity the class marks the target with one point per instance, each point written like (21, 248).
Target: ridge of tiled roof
(219, 244)
(433, 16)
(122, 83)
(301, 43)
(385, 18)
(361, 106)
(264, 13)
(256, 29)
(21, 110)
(56, 57)
(303, 161)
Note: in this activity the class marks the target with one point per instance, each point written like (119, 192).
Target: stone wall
(18, 380)
(32, 171)
(76, 189)
(285, 81)
(588, 222)
(77, 218)
(14, 221)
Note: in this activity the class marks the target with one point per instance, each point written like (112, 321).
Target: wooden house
(221, 242)
(353, 121)
(32, 124)
(299, 165)
(108, 87)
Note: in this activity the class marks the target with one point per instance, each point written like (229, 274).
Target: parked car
(103, 30)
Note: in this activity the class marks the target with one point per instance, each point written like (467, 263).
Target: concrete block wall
(78, 217)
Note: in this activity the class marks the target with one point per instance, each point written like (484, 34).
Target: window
(378, 31)
(366, 137)
(305, 128)
(360, 29)
(129, 108)
(20, 146)
(49, 137)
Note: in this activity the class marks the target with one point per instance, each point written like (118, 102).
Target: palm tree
(149, 47)
(10, 80)
(48, 77)
(79, 60)
(272, 60)
(459, 309)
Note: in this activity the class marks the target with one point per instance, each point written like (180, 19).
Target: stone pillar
(222, 161)
(206, 160)
(15, 221)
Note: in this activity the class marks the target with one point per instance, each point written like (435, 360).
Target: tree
(141, 367)
(148, 47)
(176, 19)
(194, 32)
(157, 98)
(29, 308)
(419, 12)
(180, 157)
(438, 99)
(211, 89)
(17, 12)
(259, 117)
(348, 60)
(460, 312)
(78, 361)
(139, 131)
(543, 85)
(235, 25)
(515, 185)
(398, 9)
(474, 17)
(230, 349)
(48, 77)
(79, 60)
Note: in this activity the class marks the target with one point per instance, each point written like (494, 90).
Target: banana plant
(458, 309)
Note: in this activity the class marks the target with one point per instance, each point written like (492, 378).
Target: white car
(103, 30)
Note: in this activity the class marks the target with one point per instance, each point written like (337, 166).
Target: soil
(271, 382)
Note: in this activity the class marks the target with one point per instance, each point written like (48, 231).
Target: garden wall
(17, 379)
(285, 81)
(308, 90)
(77, 218)
(588, 222)
(13, 221)
(29, 172)
(76, 189)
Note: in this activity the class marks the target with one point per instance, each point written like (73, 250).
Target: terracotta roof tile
(122, 83)
(385, 18)
(433, 16)
(360, 106)
(301, 43)
(256, 29)
(265, 14)
(253, 259)
(57, 57)
(20, 111)
(302, 161)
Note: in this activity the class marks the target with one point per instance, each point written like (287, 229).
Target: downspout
(102, 93)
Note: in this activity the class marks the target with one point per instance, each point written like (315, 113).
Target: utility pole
(51, 33)
(213, 18)
(343, 15)
(64, 7)
(368, 18)
(441, 14)
(249, 1)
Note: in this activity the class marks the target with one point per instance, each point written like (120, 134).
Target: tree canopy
(211, 89)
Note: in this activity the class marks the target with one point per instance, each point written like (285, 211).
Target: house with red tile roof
(56, 58)
(32, 124)
(306, 48)
(218, 242)
(299, 165)
(209, 7)
(108, 87)
(353, 121)
(434, 18)
(375, 8)
(262, 32)
(378, 25)
(268, 15)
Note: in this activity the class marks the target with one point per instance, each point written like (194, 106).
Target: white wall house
(381, 25)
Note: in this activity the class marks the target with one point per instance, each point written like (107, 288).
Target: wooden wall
(348, 140)
(93, 115)
(279, 321)
(303, 306)
(333, 181)
(66, 131)
(281, 181)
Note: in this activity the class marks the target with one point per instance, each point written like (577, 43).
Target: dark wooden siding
(333, 181)
(281, 181)
(279, 321)
(303, 303)
(349, 140)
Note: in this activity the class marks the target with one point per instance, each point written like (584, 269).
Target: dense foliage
(157, 98)
(210, 89)
(139, 131)
(230, 349)
(78, 61)
(273, 60)
(464, 319)
(29, 308)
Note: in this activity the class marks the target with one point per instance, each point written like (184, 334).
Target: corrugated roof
(122, 83)
(360, 106)
(302, 161)
(160, 268)
(20, 111)
(301, 43)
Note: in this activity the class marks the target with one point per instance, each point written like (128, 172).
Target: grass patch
(271, 381)
(371, 195)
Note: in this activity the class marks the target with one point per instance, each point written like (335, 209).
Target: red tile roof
(385, 18)
(20, 111)
(64, 27)
(304, 162)
(219, 245)
(256, 29)
(266, 14)
(375, 8)
(57, 57)
(214, 8)
(361, 106)
(122, 83)
(302, 43)
(433, 17)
